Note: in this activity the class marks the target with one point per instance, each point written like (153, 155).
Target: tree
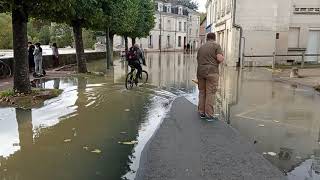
(189, 3)
(39, 31)
(119, 17)
(62, 35)
(21, 9)
(78, 14)
(145, 22)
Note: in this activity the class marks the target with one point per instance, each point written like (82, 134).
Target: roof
(175, 2)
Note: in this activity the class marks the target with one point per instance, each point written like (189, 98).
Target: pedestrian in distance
(38, 61)
(31, 57)
(55, 54)
(209, 57)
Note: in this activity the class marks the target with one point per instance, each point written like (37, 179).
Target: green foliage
(5, 31)
(6, 93)
(4, 6)
(39, 31)
(203, 16)
(146, 19)
(119, 16)
(62, 35)
(89, 39)
(189, 3)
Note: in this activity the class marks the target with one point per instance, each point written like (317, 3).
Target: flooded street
(97, 129)
(80, 134)
(283, 121)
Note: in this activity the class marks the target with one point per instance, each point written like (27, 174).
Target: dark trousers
(136, 65)
(55, 61)
(31, 63)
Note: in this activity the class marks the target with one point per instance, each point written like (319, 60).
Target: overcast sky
(202, 4)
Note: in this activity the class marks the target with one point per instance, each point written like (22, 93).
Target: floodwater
(282, 121)
(77, 135)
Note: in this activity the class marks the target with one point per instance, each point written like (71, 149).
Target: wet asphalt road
(186, 147)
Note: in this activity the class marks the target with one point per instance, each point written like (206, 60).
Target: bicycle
(5, 70)
(131, 78)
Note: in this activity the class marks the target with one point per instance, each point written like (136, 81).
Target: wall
(64, 59)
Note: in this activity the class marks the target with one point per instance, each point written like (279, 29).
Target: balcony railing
(306, 10)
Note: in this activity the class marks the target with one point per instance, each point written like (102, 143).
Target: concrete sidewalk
(188, 148)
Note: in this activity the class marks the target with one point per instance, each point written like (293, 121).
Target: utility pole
(160, 37)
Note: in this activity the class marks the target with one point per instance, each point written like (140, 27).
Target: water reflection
(97, 112)
(91, 114)
(168, 70)
(282, 121)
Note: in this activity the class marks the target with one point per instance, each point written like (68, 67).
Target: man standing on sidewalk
(209, 57)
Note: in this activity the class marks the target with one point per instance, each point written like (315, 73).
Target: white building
(265, 27)
(175, 27)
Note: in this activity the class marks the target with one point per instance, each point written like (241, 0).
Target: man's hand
(220, 58)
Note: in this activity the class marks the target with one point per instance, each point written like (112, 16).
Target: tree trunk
(133, 41)
(111, 47)
(21, 81)
(81, 60)
(24, 120)
(108, 48)
(126, 43)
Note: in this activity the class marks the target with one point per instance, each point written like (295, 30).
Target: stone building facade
(203, 32)
(261, 27)
(175, 27)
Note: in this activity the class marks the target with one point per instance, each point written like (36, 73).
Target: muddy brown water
(77, 135)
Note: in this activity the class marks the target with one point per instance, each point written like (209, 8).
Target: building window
(165, 8)
(150, 41)
(160, 24)
(179, 41)
(190, 31)
(277, 35)
(169, 24)
(160, 7)
(156, 6)
(180, 11)
(168, 9)
(168, 41)
(180, 28)
(160, 42)
(185, 26)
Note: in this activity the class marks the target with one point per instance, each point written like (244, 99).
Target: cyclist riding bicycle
(135, 58)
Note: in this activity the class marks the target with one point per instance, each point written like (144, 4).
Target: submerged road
(188, 148)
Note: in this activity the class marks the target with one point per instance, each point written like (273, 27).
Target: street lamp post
(160, 37)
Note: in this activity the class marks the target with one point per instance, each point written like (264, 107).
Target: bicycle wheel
(145, 77)
(129, 81)
(5, 70)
